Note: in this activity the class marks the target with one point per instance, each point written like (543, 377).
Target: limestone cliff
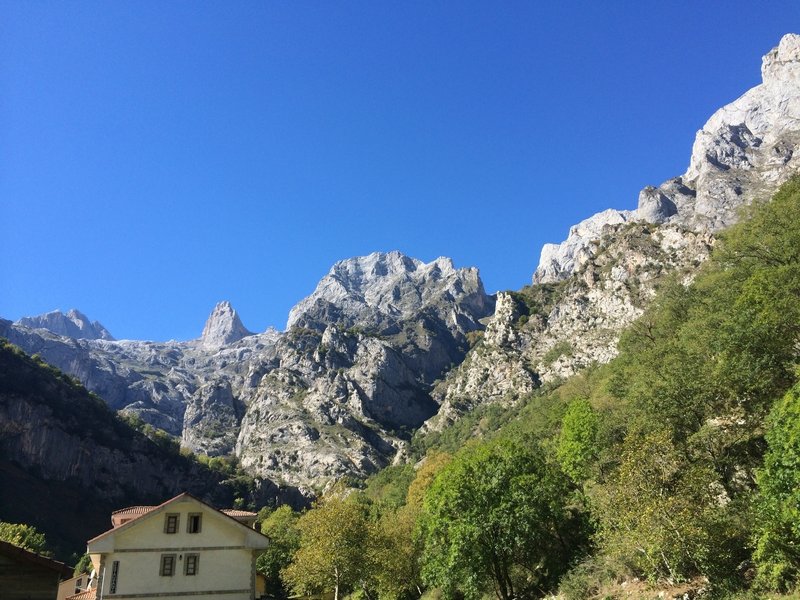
(74, 324)
(588, 288)
(742, 154)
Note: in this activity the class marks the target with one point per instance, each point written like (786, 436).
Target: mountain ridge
(744, 151)
(327, 397)
(387, 344)
(73, 324)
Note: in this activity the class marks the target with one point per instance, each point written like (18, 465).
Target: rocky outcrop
(559, 261)
(74, 324)
(744, 152)
(588, 288)
(223, 327)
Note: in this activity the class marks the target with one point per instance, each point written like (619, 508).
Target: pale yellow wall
(67, 587)
(139, 549)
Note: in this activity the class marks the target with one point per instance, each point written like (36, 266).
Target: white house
(179, 550)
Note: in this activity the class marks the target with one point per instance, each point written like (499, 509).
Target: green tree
(777, 537)
(84, 565)
(395, 547)
(395, 554)
(654, 512)
(577, 440)
(495, 517)
(434, 462)
(281, 527)
(334, 538)
(24, 536)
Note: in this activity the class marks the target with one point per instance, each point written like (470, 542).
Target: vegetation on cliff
(676, 462)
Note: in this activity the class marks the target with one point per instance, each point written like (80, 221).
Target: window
(112, 589)
(171, 522)
(194, 522)
(192, 564)
(167, 565)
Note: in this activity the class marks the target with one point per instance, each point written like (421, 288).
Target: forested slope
(674, 466)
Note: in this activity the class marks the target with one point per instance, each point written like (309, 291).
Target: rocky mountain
(589, 287)
(336, 394)
(74, 324)
(387, 344)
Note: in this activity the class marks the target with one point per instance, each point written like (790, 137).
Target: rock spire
(223, 327)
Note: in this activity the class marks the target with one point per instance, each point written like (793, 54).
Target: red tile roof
(236, 513)
(84, 595)
(118, 517)
(134, 510)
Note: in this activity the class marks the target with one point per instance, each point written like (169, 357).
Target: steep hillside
(668, 472)
(588, 288)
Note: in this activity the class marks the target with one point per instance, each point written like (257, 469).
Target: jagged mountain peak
(223, 327)
(742, 154)
(386, 285)
(73, 324)
(782, 62)
(360, 271)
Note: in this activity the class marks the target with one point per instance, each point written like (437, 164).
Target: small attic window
(194, 523)
(171, 522)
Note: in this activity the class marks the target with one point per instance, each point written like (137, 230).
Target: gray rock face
(558, 261)
(588, 288)
(223, 327)
(742, 154)
(74, 324)
(336, 394)
(380, 290)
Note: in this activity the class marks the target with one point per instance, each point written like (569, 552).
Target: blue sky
(157, 157)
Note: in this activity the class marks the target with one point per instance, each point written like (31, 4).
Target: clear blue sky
(157, 157)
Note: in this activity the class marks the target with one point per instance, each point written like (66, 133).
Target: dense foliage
(498, 518)
(24, 536)
(677, 462)
(778, 510)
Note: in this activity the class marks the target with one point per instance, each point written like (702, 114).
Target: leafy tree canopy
(495, 517)
(24, 536)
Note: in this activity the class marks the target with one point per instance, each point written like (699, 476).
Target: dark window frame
(194, 560)
(167, 567)
(194, 523)
(172, 523)
(112, 588)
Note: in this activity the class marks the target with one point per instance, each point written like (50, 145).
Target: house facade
(179, 550)
(72, 586)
